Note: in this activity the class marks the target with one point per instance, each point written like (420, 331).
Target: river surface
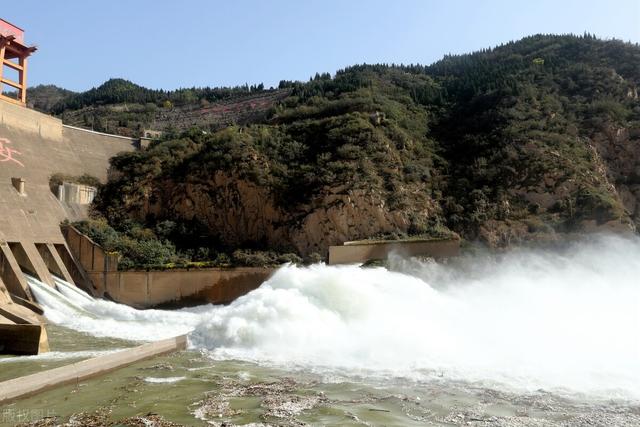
(526, 338)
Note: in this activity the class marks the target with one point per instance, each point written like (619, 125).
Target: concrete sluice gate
(24, 265)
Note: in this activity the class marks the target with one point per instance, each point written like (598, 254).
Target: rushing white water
(71, 307)
(526, 320)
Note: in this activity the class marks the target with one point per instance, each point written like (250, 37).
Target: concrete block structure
(370, 250)
(80, 194)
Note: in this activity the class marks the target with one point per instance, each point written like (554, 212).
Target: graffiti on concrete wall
(7, 153)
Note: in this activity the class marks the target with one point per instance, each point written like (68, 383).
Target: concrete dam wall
(33, 147)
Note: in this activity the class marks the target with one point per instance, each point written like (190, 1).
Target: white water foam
(71, 307)
(165, 380)
(526, 320)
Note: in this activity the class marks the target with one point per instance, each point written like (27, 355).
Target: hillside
(522, 142)
(45, 97)
(125, 108)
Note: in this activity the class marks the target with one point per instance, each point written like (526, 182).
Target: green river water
(188, 388)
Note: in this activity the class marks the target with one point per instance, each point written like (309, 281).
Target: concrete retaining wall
(89, 254)
(76, 372)
(144, 289)
(363, 251)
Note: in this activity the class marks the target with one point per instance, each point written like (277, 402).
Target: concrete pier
(23, 339)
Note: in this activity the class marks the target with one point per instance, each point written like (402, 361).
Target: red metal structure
(13, 55)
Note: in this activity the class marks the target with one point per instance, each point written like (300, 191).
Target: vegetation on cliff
(522, 141)
(145, 248)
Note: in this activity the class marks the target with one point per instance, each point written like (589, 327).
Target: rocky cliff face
(239, 212)
(619, 151)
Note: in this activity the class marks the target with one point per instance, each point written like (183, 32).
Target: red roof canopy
(8, 29)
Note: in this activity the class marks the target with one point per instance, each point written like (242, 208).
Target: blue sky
(170, 44)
